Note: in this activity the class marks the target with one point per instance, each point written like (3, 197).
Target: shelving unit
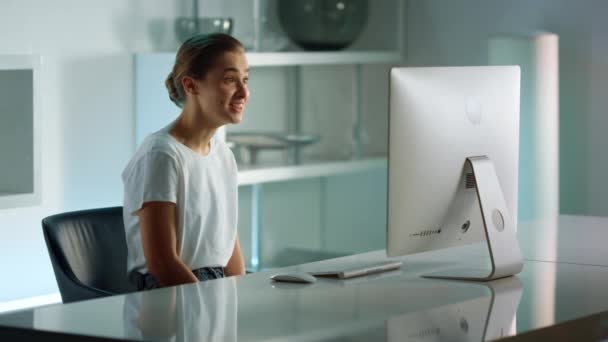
(164, 60)
(154, 110)
(322, 58)
(268, 173)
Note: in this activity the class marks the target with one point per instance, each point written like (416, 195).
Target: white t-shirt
(204, 189)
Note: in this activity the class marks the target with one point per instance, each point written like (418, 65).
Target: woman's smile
(237, 106)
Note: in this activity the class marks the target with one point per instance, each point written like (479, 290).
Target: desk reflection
(205, 312)
(480, 319)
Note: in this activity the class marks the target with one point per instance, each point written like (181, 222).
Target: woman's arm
(159, 239)
(236, 264)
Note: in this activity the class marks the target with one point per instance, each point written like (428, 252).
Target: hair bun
(172, 89)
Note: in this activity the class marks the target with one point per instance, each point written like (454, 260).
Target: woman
(180, 199)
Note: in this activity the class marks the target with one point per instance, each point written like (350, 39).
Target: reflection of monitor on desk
(479, 319)
(452, 166)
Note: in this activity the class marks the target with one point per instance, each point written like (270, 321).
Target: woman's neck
(191, 130)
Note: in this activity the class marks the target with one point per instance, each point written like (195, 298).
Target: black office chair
(88, 251)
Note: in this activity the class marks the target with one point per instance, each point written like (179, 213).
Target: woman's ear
(189, 85)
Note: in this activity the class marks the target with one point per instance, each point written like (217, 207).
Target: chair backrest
(88, 252)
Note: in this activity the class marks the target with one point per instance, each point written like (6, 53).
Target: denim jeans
(147, 281)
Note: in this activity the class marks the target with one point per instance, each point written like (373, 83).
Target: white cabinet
(19, 131)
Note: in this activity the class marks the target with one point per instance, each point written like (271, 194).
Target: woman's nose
(243, 90)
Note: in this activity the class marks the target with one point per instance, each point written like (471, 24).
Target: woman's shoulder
(159, 145)
(159, 142)
(155, 143)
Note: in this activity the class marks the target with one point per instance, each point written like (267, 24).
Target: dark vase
(323, 25)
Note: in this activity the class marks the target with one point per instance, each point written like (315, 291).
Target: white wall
(87, 121)
(455, 32)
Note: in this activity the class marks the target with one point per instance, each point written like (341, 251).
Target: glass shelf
(266, 59)
(275, 173)
(322, 58)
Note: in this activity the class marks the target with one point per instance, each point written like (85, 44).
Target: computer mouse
(294, 277)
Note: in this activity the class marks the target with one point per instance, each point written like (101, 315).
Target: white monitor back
(438, 118)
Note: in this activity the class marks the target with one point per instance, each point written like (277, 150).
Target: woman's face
(224, 91)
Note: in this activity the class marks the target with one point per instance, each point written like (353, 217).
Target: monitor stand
(498, 225)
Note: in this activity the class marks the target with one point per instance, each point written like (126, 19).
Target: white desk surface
(572, 239)
(393, 306)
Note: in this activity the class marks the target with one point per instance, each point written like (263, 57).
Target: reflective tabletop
(393, 306)
(567, 238)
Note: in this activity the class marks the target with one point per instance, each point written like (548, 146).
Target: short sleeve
(154, 177)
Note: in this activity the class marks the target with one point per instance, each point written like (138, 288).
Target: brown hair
(195, 58)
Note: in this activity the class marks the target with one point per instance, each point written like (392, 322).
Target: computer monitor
(452, 165)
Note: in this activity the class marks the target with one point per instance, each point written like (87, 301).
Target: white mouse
(294, 277)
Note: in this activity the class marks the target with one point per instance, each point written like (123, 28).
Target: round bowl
(186, 27)
(322, 25)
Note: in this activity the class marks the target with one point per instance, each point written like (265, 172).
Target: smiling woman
(180, 187)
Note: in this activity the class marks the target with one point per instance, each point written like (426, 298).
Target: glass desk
(393, 306)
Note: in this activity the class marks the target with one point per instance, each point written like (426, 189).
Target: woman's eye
(246, 80)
